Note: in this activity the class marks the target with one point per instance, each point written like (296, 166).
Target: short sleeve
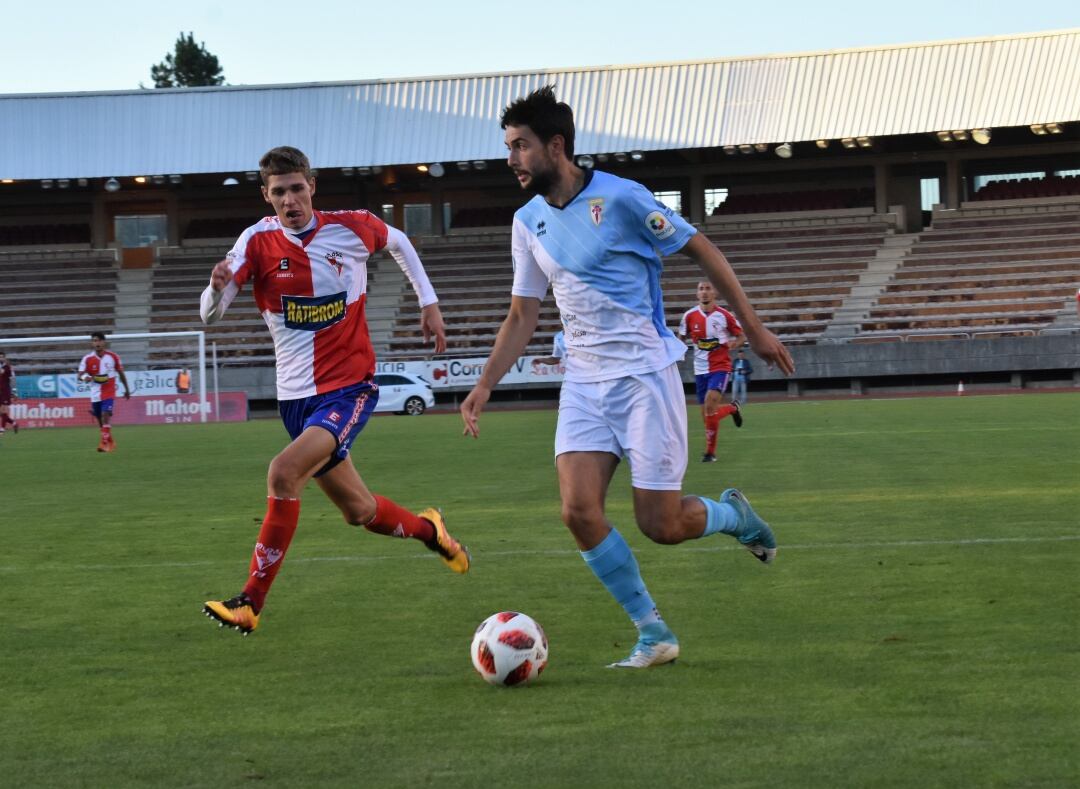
(655, 222)
(529, 279)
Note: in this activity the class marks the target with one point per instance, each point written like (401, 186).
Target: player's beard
(541, 181)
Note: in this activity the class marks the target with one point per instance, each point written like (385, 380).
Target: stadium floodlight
(63, 183)
(760, 147)
(944, 136)
(1054, 128)
(479, 164)
(602, 157)
(436, 170)
(746, 148)
(140, 179)
(464, 166)
(730, 150)
(158, 180)
(175, 178)
(783, 150)
(960, 135)
(849, 142)
(230, 181)
(620, 156)
(864, 142)
(422, 168)
(251, 176)
(112, 185)
(981, 136)
(821, 144)
(347, 172)
(7, 181)
(586, 162)
(47, 183)
(83, 181)
(1038, 128)
(637, 156)
(363, 171)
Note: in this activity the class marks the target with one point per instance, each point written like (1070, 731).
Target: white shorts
(641, 417)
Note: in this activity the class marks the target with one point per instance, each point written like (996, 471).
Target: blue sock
(614, 564)
(721, 517)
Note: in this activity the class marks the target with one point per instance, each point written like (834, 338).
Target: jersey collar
(584, 186)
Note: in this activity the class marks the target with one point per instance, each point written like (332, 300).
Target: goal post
(157, 366)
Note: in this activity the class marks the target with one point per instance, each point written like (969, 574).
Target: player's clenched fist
(220, 276)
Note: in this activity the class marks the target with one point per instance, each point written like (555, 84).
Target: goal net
(166, 374)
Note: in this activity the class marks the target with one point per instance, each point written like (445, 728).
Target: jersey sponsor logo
(596, 210)
(708, 343)
(313, 313)
(659, 225)
(283, 264)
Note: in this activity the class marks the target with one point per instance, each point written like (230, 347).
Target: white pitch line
(817, 546)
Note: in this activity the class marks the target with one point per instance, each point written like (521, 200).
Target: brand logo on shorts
(313, 313)
(659, 225)
(334, 417)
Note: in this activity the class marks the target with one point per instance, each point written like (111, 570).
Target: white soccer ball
(509, 649)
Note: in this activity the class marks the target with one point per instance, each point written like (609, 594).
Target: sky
(64, 46)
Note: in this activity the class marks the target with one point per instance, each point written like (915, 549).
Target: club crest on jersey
(336, 260)
(313, 313)
(659, 225)
(596, 210)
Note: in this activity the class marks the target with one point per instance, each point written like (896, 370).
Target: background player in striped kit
(713, 331)
(309, 276)
(100, 369)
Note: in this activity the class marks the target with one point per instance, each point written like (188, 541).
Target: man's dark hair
(284, 160)
(98, 336)
(545, 115)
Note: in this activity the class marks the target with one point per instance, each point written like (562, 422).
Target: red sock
(6, 420)
(106, 433)
(276, 533)
(396, 521)
(712, 426)
(725, 410)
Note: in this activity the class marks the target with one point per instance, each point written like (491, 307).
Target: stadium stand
(56, 292)
(983, 272)
(44, 235)
(179, 278)
(796, 271)
(817, 200)
(492, 216)
(1027, 188)
(217, 227)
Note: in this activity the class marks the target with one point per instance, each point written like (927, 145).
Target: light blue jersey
(601, 255)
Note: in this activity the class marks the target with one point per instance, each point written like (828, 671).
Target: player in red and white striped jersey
(100, 368)
(308, 271)
(713, 331)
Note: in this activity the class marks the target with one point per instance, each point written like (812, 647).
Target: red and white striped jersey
(102, 371)
(710, 335)
(311, 290)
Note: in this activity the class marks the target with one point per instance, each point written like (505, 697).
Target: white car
(403, 393)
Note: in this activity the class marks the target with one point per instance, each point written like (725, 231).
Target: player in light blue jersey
(597, 240)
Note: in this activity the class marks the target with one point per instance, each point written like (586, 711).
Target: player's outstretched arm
(513, 337)
(715, 266)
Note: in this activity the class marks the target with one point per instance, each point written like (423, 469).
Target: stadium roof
(879, 91)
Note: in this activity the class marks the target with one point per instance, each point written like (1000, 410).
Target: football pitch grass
(920, 627)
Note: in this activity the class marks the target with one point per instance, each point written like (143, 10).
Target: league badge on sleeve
(659, 225)
(596, 210)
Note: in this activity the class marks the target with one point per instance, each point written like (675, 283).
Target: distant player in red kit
(8, 392)
(308, 271)
(100, 368)
(713, 331)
